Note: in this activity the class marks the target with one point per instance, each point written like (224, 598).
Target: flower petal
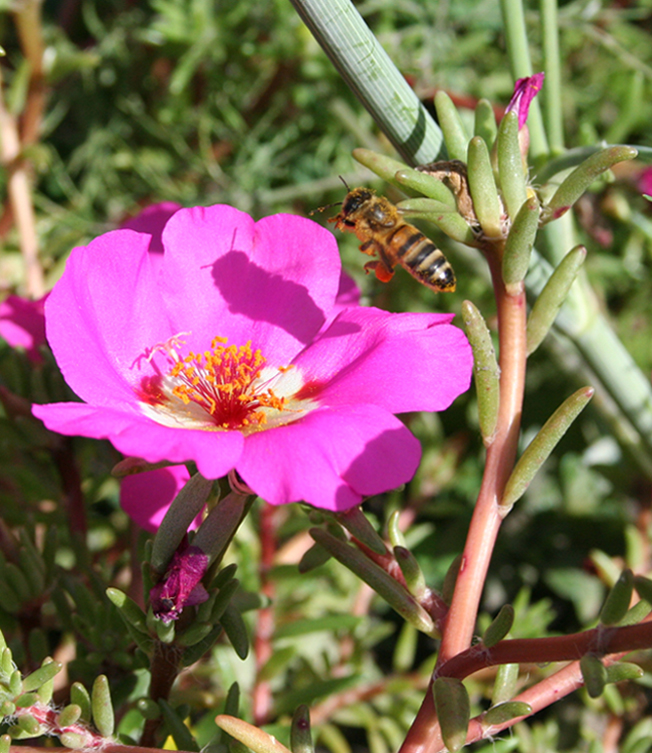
(215, 452)
(273, 282)
(105, 311)
(152, 220)
(331, 458)
(22, 324)
(402, 362)
(147, 496)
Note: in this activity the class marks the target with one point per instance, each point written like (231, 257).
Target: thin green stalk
(551, 93)
(521, 66)
(373, 78)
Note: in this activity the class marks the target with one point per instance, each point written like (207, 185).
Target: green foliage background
(202, 102)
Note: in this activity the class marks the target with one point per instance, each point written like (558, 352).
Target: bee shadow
(260, 295)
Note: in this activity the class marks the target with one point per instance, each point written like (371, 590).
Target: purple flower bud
(525, 90)
(181, 586)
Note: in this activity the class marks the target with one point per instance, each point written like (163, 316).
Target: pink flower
(146, 496)
(181, 586)
(22, 324)
(525, 90)
(230, 351)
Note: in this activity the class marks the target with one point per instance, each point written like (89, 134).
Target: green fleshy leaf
(148, 708)
(455, 136)
(482, 186)
(485, 370)
(449, 222)
(356, 523)
(510, 164)
(543, 444)
(69, 715)
(453, 711)
(618, 599)
(581, 178)
(80, 696)
(385, 167)
(551, 298)
(422, 183)
(236, 630)
(450, 579)
(643, 587)
(620, 671)
(255, 739)
(41, 675)
(183, 510)
(394, 533)
(194, 653)
(503, 712)
(375, 577)
(505, 683)
(215, 533)
(73, 740)
(500, 626)
(181, 735)
(300, 737)
(195, 633)
(25, 700)
(28, 724)
(594, 674)
(414, 577)
(485, 122)
(130, 612)
(5, 743)
(102, 707)
(314, 557)
(518, 247)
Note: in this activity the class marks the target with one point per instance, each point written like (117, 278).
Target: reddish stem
(488, 515)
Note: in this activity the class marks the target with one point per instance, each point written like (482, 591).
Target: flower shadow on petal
(253, 292)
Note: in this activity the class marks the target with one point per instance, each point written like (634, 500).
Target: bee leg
(382, 272)
(369, 248)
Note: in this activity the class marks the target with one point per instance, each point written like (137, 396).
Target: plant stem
(552, 87)
(30, 30)
(20, 199)
(487, 516)
(373, 78)
(521, 66)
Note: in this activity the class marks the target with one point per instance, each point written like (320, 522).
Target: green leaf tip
(581, 178)
(453, 711)
(300, 737)
(539, 449)
(379, 580)
(504, 712)
(356, 523)
(455, 136)
(254, 738)
(617, 602)
(500, 626)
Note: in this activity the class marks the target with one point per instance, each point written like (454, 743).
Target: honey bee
(383, 232)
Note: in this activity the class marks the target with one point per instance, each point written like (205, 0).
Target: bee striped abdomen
(422, 259)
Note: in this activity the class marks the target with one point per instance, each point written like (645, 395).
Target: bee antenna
(321, 209)
(346, 185)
